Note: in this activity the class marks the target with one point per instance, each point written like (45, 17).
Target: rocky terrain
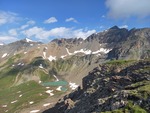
(33, 72)
(118, 86)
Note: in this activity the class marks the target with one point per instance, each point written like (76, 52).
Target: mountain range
(95, 71)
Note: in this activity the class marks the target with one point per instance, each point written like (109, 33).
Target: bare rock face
(114, 43)
(112, 66)
(103, 90)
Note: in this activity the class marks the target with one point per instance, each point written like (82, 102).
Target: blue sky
(44, 20)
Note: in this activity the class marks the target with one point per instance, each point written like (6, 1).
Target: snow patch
(14, 101)
(102, 50)
(73, 86)
(4, 55)
(20, 95)
(51, 58)
(50, 92)
(98, 55)
(31, 102)
(59, 88)
(19, 92)
(29, 40)
(41, 66)
(47, 87)
(34, 111)
(25, 52)
(19, 64)
(56, 77)
(1, 44)
(63, 56)
(31, 44)
(47, 104)
(40, 82)
(87, 52)
(4, 106)
(22, 64)
(68, 52)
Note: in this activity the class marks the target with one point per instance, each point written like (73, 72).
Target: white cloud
(80, 33)
(60, 32)
(71, 20)
(24, 26)
(128, 8)
(8, 17)
(123, 26)
(35, 31)
(7, 39)
(13, 32)
(50, 20)
(31, 22)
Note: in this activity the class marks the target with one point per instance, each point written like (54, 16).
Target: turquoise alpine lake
(56, 83)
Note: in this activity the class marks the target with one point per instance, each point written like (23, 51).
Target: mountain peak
(115, 27)
(28, 40)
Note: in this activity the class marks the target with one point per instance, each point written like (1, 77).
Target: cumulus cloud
(50, 20)
(123, 26)
(60, 32)
(31, 22)
(8, 17)
(7, 39)
(128, 8)
(13, 32)
(71, 20)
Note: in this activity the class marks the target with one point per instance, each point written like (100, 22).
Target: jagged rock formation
(114, 43)
(25, 62)
(121, 85)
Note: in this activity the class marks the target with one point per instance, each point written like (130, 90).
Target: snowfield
(4, 55)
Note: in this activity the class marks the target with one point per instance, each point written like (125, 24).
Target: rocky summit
(109, 71)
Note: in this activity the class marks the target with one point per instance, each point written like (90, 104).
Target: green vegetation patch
(39, 60)
(130, 108)
(44, 76)
(23, 93)
(119, 62)
(140, 89)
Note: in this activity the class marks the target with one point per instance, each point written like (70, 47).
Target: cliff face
(118, 86)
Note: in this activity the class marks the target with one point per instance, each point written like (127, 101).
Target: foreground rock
(118, 86)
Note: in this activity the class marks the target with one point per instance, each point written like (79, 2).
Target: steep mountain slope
(114, 43)
(9, 50)
(58, 67)
(116, 86)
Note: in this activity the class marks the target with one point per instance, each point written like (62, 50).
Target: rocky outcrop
(107, 90)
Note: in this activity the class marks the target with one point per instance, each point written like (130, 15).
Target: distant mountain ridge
(114, 43)
(67, 61)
